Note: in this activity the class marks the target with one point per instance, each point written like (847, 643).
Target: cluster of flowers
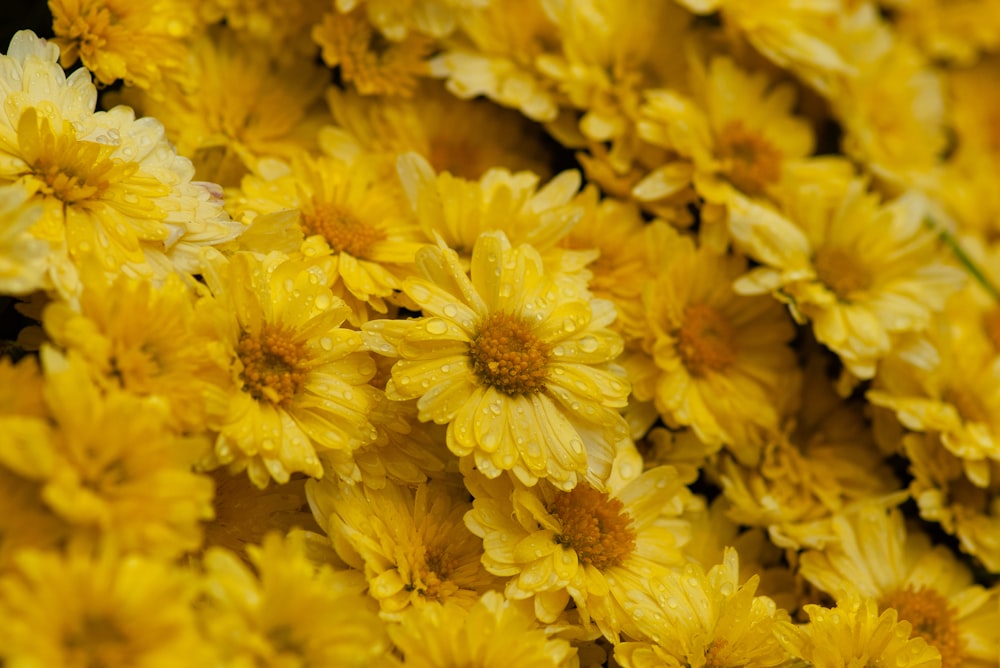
(501, 333)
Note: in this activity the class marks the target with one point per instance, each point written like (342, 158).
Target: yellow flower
(278, 29)
(139, 42)
(411, 544)
(586, 544)
(22, 256)
(288, 611)
(492, 633)
(109, 184)
(299, 380)
(374, 64)
(698, 619)
(236, 106)
(352, 211)
(103, 608)
(722, 362)
(855, 634)
(957, 32)
(876, 556)
(863, 272)
(514, 361)
(395, 18)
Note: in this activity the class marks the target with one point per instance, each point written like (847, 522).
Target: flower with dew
(875, 555)
(299, 380)
(690, 617)
(410, 543)
(493, 633)
(515, 362)
(22, 256)
(586, 544)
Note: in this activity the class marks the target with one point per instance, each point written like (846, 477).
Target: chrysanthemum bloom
(877, 557)
(22, 256)
(288, 611)
(299, 381)
(493, 633)
(862, 271)
(723, 366)
(109, 185)
(108, 608)
(139, 42)
(151, 341)
(586, 544)
(278, 30)
(693, 618)
(855, 634)
(352, 211)
(369, 61)
(411, 544)
(949, 31)
(514, 362)
(236, 106)
(395, 18)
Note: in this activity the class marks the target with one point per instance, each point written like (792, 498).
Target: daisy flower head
(585, 544)
(877, 556)
(299, 381)
(411, 543)
(518, 365)
(22, 256)
(493, 633)
(690, 617)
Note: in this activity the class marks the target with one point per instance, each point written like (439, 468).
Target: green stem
(963, 258)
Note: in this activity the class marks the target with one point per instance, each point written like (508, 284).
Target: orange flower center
(595, 525)
(434, 582)
(932, 619)
(273, 364)
(705, 341)
(344, 231)
(749, 160)
(841, 271)
(507, 355)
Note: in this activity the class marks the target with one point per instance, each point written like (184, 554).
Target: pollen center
(841, 271)
(932, 619)
(273, 368)
(705, 341)
(749, 160)
(344, 231)
(434, 575)
(507, 355)
(595, 525)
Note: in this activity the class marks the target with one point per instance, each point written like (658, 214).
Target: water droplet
(569, 325)
(726, 588)
(589, 344)
(436, 326)
(326, 343)
(450, 310)
(404, 380)
(267, 445)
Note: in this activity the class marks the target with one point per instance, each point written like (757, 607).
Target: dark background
(23, 14)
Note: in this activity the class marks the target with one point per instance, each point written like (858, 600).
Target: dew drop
(436, 326)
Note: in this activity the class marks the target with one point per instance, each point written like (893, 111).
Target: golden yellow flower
(278, 29)
(492, 633)
(22, 256)
(395, 18)
(855, 634)
(693, 618)
(877, 556)
(953, 31)
(410, 543)
(299, 381)
(139, 42)
(515, 362)
(99, 608)
(288, 611)
(587, 544)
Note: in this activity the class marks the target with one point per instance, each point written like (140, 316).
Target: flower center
(749, 160)
(508, 356)
(932, 619)
(434, 574)
(705, 341)
(595, 525)
(344, 231)
(97, 642)
(841, 271)
(273, 366)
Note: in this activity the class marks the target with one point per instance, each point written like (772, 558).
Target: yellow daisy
(516, 364)
(723, 366)
(877, 557)
(493, 633)
(299, 381)
(138, 42)
(693, 618)
(590, 545)
(855, 634)
(288, 611)
(236, 106)
(22, 256)
(410, 543)
(99, 608)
